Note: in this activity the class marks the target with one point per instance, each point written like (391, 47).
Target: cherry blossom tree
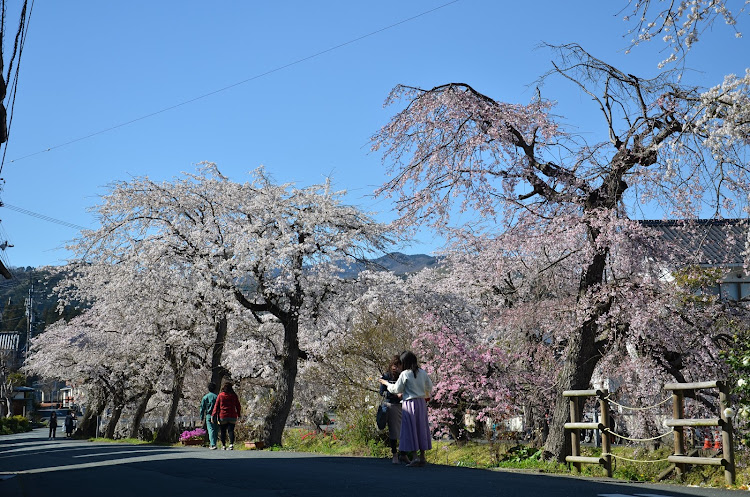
(469, 379)
(551, 203)
(75, 352)
(487, 366)
(9, 379)
(294, 243)
(154, 323)
(112, 352)
(680, 23)
(274, 250)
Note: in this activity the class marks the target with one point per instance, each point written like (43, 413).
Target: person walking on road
(207, 408)
(52, 424)
(416, 387)
(227, 411)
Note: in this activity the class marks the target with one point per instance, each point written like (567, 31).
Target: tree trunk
(217, 370)
(580, 360)
(278, 412)
(140, 412)
(87, 427)
(167, 431)
(576, 374)
(109, 432)
(461, 437)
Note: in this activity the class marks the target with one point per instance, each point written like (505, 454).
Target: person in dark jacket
(393, 403)
(69, 424)
(416, 386)
(52, 424)
(227, 411)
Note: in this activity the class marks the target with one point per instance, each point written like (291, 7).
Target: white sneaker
(224, 447)
(213, 447)
(231, 446)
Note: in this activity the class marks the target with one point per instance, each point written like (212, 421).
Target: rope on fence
(609, 399)
(633, 460)
(607, 430)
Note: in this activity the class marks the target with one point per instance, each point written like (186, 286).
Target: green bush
(357, 435)
(14, 424)
(358, 428)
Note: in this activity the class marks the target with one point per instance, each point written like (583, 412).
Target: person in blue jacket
(207, 407)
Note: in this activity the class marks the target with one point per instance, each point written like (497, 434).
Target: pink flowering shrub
(470, 377)
(198, 433)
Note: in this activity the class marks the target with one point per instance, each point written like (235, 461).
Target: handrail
(693, 386)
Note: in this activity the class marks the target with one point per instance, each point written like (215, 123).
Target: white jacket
(412, 388)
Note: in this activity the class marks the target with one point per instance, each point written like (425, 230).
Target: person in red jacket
(227, 412)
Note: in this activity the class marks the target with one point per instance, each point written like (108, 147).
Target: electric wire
(43, 217)
(23, 29)
(2, 23)
(252, 78)
(19, 35)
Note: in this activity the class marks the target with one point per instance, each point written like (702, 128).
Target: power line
(253, 78)
(23, 30)
(43, 217)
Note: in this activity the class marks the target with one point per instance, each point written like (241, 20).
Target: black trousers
(229, 427)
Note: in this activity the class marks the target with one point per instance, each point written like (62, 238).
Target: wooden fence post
(575, 435)
(678, 410)
(604, 415)
(726, 434)
(723, 421)
(576, 425)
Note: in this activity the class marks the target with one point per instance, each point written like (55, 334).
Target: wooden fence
(678, 423)
(575, 427)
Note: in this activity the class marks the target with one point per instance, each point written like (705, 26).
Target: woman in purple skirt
(416, 387)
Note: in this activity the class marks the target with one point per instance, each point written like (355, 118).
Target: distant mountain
(395, 262)
(15, 292)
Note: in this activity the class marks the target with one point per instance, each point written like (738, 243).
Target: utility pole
(29, 316)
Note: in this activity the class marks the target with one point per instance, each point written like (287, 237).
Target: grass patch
(333, 443)
(648, 468)
(629, 463)
(492, 455)
(134, 441)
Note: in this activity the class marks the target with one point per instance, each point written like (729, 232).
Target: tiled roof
(706, 241)
(9, 341)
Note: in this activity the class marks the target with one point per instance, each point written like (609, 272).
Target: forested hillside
(14, 295)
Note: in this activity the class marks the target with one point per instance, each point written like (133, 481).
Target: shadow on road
(33, 465)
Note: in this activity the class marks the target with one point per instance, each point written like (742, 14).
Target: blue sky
(91, 65)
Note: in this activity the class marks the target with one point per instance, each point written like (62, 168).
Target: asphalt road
(31, 465)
